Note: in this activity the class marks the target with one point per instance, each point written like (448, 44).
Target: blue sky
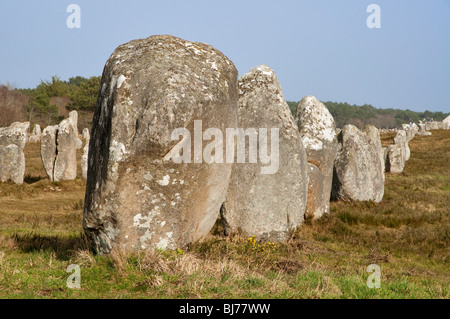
(322, 48)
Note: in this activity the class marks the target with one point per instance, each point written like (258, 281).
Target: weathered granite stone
(12, 158)
(58, 149)
(268, 206)
(36, 135)
(66, 142)
(374, 135)
(315, 193)
(434, 125)
(358, 169)
(402, 139)
(12, 164)
(395, 159)
(16, 133)
(446, 123)
(422, 130)
(137, 197)
(318, 133)
(48, 149)
(398, 153)
(414, 129)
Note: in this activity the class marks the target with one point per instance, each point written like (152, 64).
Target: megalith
(141, 193)
(358, 168)
(266, 204)
(318, 133)
(58, 149)
(12, 158)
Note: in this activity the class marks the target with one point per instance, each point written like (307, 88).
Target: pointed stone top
(315, 122)
(263, 77)
(260, 92)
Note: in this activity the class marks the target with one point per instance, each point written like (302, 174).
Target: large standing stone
(136, 196)
(358, 169)
(58, 149)
(268, 206)
(16, 133)
(12, 164)
(66, 140)
(48, 149)
(318, 132)
(12, 158)
(374, 135)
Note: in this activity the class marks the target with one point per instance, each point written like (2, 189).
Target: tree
(12, 102)
(85, 95)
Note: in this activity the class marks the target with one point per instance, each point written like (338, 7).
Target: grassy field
(407, 235)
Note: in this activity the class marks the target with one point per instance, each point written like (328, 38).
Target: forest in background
(361, 115)
(52, 100)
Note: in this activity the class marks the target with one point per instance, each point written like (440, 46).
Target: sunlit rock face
(267, 200)
(318, 131)
(137, 197)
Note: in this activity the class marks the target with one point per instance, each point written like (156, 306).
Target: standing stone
(12, 164)
(414, 129)
(84, 157)
(12, 158)
(66, 140)
(358, 169)
(411, 131)
(48, 149)
(433, 125)
(446, 123)
(318, 133)
(36, 135)
(374, 135)
(422, 130)
(398, 153)
(16, 133)
(137, 197)
(402, 139)
(58, 149)
(315, 196)
(268, 206)
(395, 158)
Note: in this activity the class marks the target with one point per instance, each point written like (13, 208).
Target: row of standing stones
(138, 198)
(59, 144)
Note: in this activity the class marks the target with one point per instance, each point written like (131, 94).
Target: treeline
(81, 94)
(50, 102)
(345, 113)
